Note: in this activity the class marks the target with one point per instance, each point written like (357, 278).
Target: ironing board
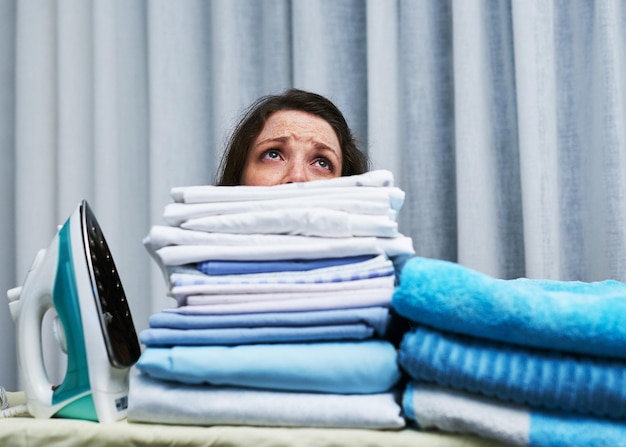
(26, 431)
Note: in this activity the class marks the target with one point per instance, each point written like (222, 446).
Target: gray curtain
(504, 121)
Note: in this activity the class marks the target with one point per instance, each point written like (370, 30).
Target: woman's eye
(324, 163)
(272, 154)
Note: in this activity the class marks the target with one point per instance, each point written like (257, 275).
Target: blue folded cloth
(375, 317)
(239, 336)
(538, 378)
(571, 316)
(296, 265)
(361, 367)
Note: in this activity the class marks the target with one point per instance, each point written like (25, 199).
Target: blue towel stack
(282, 307)
(527, 362)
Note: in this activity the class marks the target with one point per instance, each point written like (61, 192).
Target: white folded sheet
(282, 302)
(161, 236)
(176, 246)
(208, 193)
(160, 402)
(301, 221)
(377, 203)
(383, 282)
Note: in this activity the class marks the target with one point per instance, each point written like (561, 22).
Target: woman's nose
(296, 172)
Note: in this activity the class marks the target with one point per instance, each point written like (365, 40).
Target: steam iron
(77, 278)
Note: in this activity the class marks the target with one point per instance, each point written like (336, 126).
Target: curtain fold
(120, 160)
(487, 162)
(427, 97)
(503, 121)
(610, 134)
(384, 142)
(330, 56)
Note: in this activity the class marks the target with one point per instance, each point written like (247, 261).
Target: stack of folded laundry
(524, 361)
(282, 307)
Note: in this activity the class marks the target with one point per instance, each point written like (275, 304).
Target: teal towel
(571, 316)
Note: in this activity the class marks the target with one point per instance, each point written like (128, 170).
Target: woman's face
(293, 146)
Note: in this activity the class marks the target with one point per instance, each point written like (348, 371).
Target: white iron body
(95, 386)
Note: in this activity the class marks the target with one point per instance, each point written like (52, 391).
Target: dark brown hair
(251, 124)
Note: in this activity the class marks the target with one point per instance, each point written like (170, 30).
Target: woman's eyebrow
(324, 147)
(272, 140)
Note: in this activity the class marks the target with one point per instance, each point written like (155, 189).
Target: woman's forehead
(300, 126)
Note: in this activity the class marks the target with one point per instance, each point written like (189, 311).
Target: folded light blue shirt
(360, 367)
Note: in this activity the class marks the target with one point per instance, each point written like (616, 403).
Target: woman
(297, 136)
(293, 137)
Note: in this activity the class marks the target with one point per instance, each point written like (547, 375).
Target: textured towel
(159, 402)
(330, 367)
(541, 378)
(435, 407)
(239, 336)
(375, 317)
(586, 318)
(250, 267)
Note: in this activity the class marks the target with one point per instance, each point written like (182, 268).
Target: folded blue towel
(434, 407)
(579, 317)
(539, 378)
(362, 367)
